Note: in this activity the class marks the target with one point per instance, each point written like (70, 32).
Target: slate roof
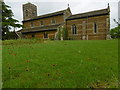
(47, 15)
(40, 29)
(89, 14)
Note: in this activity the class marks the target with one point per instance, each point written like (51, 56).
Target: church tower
(29, 11)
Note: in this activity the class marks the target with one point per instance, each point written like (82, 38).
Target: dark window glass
(95, 28)
(74, 30)
(53, 21)
(45, 35)
(33, 35)
(26, 12)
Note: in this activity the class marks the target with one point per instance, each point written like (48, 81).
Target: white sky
(76, 6)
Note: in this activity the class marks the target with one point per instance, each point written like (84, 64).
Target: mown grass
(60, 64)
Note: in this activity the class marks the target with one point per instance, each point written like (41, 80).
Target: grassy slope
(58, 64)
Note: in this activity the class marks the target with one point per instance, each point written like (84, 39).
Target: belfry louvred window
(26, 12)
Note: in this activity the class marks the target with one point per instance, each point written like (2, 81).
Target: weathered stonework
(93, 25)
(29, 11)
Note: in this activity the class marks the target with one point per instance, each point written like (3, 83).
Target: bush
(9, 35)
(62, 32)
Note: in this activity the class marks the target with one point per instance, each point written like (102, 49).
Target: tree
(115, 32)
(65, 33)
(62, 33)
(117, 22)
(8, 21)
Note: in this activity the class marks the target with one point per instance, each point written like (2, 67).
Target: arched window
(95, 27)
(74, 29)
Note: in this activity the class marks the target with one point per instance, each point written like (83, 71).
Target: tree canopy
(115, 32)
(8, 21)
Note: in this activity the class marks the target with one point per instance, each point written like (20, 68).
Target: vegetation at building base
(62, 33)
(8, 22)
(10, 35)
(60, 64)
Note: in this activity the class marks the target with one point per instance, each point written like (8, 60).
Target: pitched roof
(40, 29)
(89, 14)
(47, 15)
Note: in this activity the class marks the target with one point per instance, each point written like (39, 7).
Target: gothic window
(45, 35)
(95, 27)
(74, 30)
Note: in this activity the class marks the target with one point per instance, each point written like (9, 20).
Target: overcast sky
(76, 6)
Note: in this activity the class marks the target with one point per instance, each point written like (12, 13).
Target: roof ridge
(49, 14)
(53, 12)
(89, 12)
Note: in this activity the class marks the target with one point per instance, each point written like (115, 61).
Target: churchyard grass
(60, 64)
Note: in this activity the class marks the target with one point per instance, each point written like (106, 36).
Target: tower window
(95, 27)
(33, 13)
(26, 12)
(74, 30)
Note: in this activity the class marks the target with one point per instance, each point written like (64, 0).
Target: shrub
(62, 32)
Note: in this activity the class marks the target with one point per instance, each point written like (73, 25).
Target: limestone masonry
(92, 25)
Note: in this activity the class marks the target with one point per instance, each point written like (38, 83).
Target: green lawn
(60, 64)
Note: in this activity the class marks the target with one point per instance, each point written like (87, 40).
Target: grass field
(60, 64)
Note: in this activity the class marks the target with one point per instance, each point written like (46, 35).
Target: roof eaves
(46, 15)
(88, 14)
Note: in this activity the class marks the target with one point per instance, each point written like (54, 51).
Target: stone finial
(68, 5)
(108, 5)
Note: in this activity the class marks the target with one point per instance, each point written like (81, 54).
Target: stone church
(93, 25)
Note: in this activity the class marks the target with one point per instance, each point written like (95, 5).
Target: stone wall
(85, 28)
(40, 35)
(46, 21)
